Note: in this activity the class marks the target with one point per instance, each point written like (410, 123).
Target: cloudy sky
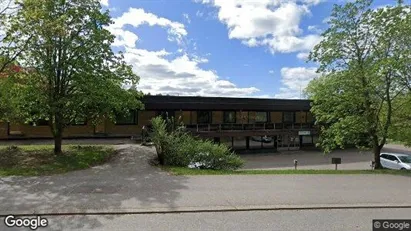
(236, 48)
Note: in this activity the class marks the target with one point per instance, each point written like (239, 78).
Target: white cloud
(315, 29)
(271, 72)
(179, 76)
(303, 56)
(137, 17)
(199, 14)
(162, 72)
(187, 18)
(104, 2)
(272, 23)
(124, 38)
(295, 80)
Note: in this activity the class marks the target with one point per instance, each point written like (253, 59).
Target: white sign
(304, 133)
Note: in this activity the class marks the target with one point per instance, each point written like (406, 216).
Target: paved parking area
(351, 159)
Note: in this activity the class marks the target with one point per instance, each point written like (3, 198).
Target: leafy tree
(8, 51)
(362, 59)
(70, 71)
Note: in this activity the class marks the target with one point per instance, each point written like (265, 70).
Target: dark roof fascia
(223, 103)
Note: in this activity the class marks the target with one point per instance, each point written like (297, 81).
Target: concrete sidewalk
(130, 185)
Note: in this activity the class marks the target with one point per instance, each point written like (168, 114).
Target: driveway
(129, 185)
(351, 159)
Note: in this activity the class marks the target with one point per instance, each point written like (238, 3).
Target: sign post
(336, 161)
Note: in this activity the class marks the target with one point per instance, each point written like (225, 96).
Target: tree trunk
(57, 129)
(57, 144)
(377, 152)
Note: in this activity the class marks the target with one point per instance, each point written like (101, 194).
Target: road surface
(302, 220)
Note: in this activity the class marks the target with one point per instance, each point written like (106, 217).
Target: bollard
(295, 164)
(372, 165)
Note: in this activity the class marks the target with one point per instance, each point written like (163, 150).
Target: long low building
(242, 123)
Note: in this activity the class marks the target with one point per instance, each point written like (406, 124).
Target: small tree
(362, 58)
(70, 70)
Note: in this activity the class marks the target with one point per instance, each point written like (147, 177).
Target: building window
(204, 117)
(127, 119)
(288, 117)
(261, 117)
(229, 117)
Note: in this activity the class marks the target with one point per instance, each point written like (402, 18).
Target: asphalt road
(304, 220)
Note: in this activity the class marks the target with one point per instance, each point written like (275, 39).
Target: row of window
(203, 117)
(129, 119)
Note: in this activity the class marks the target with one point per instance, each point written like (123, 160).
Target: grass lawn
(33, 160)
(187, 171)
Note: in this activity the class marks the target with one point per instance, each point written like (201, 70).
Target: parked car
(395, 161)
(264, 139)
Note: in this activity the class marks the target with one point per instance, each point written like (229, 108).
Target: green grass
(187, 171)
(34, 160)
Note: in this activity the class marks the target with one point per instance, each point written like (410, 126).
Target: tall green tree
(8, 50)
(70, 71)
(362, 60)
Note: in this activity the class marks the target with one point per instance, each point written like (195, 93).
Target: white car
(395, 161)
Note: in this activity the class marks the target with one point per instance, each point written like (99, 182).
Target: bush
(178, 148)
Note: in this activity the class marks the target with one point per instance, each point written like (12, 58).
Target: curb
(205, 210)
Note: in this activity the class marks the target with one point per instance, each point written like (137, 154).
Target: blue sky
(237, 48)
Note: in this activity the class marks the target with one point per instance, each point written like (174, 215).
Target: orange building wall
(276, 117)
(187, 117)
(300, 117)
(242, 117)
(3, 130)
(217, 117)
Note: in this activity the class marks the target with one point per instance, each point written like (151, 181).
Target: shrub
(160, 137)
(175, 147)
(215, 156)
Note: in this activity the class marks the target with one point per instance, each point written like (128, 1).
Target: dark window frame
(134, 122)
(293, 117)
(226, 116)
(209, 115)
(267, 117)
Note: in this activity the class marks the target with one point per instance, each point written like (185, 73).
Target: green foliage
(178, 148)
(70, 70)
(364, 60)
